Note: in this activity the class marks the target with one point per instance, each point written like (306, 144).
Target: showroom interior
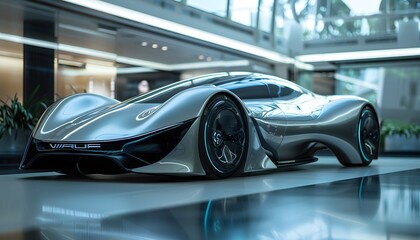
(53, 49)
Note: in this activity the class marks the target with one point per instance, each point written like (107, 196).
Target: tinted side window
(281, 92)
(162, 94)
(248, 90)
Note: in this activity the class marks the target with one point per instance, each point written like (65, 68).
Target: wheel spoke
(370, 146)
(226, 136)
(369, 130)
(227, 156)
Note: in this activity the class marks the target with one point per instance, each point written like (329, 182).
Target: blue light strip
(359, 137)
(206, 216)
(361, 189)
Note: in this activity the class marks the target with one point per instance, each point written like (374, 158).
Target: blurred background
(50, 49)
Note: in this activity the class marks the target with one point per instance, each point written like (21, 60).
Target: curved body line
(162, 132)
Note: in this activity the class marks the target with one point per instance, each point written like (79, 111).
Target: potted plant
(400, 137)
(16, 124)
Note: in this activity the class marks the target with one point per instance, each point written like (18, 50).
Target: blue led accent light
(206, 216)
(205, 140)
(359, 137)
(207, 150)
(361, 189)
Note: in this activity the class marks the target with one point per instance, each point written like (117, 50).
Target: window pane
(248, 90)
(361, 82)
(355, 7)
(403, 5)
(244, 11)
(266, 13)
(217, 7)
(299, 10)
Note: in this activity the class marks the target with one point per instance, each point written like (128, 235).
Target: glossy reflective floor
(318, 201)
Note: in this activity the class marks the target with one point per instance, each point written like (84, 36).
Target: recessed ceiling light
(164, 48)
(144, 44)
(360, 55)
(199, 34)
(120, 59)
(209, 59)
(201, 57)
(154, 45)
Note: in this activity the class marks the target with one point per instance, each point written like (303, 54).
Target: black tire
(368, 135)
(223, 137)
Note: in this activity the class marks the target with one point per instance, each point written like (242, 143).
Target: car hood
(106, 123)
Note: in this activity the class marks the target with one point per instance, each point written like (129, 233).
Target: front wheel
(368, 135)
(223, 137)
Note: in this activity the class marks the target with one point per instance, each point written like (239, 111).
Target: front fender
(183, 106)
(68, 109)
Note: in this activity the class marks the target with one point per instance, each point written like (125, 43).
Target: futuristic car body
(216, 125)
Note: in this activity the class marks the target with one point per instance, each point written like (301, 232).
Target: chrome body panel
(184, 159)
(68, 110)
(335, 127)
(257, 159)
(119, 120)
(287, 125)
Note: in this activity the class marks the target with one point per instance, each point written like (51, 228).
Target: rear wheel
(368, 135)
(223, 137)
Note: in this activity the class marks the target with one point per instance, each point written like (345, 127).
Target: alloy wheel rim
(368, 135)
(225, 137)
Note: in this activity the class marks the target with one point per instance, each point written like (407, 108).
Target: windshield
(162, 94)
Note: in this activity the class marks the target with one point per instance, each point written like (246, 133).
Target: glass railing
(379, 24)
(326, 19)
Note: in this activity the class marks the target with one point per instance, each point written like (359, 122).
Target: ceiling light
(84, 30)
(209, 59)
(164, 48)
(107, 29)
(71, 63)
(142, 63)
(200, 57)
(130, 70)
(359, 55)
(143, 44)
(85, 51)
(148, 65)
(154, 45)
(214, 64)
(303, 66)
(181, 29)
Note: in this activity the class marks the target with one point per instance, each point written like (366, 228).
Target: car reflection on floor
(353, 209)
(320, 201)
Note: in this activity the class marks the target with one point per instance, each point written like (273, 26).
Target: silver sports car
(215, 125)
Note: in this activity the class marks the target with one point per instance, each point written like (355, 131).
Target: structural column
(38, 62)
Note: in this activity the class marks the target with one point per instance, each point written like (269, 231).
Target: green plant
(15, 115)
(398, 128)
